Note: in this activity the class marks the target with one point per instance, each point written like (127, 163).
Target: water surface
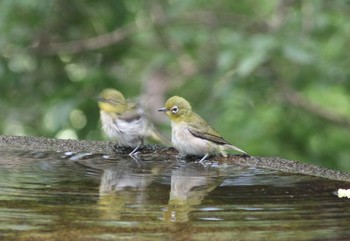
(82, 196)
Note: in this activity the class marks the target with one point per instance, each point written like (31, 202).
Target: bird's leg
(136, 158)
(135, 150)
(205, 157)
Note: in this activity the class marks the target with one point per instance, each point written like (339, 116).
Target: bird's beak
(99, 98)
(162, 109)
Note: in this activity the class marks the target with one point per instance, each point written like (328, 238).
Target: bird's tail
(232, 147)
(155, 135)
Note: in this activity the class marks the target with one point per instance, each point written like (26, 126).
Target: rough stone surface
(157, 152)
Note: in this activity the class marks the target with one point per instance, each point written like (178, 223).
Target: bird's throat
(107, 107)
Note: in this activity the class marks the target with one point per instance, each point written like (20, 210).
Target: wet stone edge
(161, 152)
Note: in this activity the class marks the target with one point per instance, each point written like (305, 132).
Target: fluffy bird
(125, 120)
(191, 134)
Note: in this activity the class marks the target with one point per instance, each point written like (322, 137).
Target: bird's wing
(210, 135)
(132, 114)
(137, 115)
(198, 127)
(129, 116)
(201, 129)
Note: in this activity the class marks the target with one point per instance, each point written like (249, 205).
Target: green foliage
(271, 76)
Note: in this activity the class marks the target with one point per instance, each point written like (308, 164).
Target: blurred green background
(271, 76)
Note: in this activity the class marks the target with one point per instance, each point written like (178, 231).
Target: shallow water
(82, 196)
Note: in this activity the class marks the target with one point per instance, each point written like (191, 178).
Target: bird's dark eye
(175, 109)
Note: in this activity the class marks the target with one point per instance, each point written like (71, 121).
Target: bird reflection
(189, 185)
(123, 177)
(123, 185)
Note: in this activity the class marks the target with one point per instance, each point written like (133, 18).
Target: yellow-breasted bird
(191, 134)
(125, 120)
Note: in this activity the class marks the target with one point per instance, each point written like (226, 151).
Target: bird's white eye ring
(175, 109)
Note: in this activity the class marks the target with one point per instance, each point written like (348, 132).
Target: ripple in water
(83, 196)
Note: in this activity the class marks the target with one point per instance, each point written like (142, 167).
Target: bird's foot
(203, 159)
(122, 149)
(181, 156)
(245, 155)
(134, 151)
(136, 157)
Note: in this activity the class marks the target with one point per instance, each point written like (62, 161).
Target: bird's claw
(121, 149)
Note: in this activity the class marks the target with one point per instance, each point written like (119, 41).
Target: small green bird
(125, 120)
(191, 134)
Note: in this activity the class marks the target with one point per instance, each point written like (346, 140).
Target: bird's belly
(132, 133)
(126, 133)
(188, 144)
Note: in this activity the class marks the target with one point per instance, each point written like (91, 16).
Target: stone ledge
(157, 152)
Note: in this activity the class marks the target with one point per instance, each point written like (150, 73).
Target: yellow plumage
(191, 134)
(125, 120)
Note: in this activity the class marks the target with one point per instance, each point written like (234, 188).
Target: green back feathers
(180, 113)
(180, 110)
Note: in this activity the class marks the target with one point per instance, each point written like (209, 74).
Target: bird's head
(111, 100)
(177, 108)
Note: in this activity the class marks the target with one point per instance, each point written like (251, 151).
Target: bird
(191, 134)
(125, 120)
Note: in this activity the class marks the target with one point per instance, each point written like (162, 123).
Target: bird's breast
(186, 143)
(127, 133)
